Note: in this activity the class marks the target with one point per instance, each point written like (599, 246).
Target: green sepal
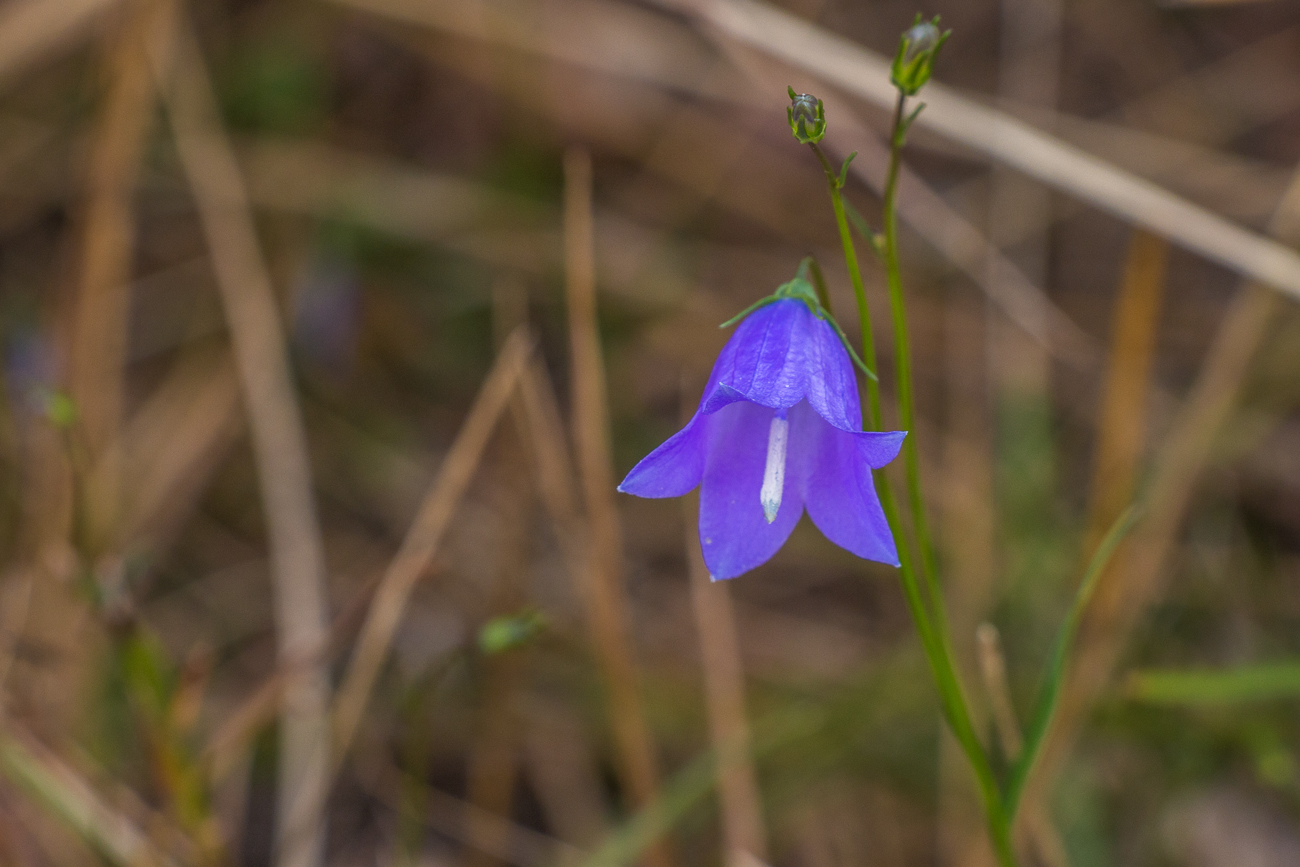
(800, 289)
(762, 302)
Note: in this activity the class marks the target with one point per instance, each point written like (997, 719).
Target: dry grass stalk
(993, 672)
(421, 543)
(512, 844)
(1004, 139)
(744, 834)
(1121, 426)
(279, 441)
(556, 477)
(173, 442)
(1136, 579)
(562, 771)
(602, 588)
(227, 746)
(103, 307)
(70, 797)
(1028, 73)
(43, 605)
(493, 764)
(1041, 833)
(31, 29)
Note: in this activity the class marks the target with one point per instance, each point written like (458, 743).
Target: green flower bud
(807, 117)
(916, 52)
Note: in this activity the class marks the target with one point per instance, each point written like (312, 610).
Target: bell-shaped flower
(778, 430)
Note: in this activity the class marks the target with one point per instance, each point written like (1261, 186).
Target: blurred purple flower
(779, 429)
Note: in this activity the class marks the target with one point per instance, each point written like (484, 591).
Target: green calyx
(917, 49)
(800, 289)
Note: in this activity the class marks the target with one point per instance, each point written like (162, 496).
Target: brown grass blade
(1122, 424)
(602, 588)
(32, 29)
(1042, 834)
(171, 444)
(421, 543)
(512, 843)
(562, 770)
(103, 307)
(70, 797)
(494, 754)
(279, 441)
(1003, 138)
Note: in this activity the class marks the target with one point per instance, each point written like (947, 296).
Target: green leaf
(1207, 686)
(1056, 666)
(844, 168)
(860, 223)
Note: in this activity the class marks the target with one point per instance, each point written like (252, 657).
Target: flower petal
(832, 386)
(734, 532)
(834, 470)
(764, 361)
(673, 469)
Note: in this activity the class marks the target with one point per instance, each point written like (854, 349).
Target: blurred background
(329, 326)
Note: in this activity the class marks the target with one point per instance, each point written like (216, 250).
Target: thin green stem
(931, 622)
(873, 414)
(959, 715)
(903, 373)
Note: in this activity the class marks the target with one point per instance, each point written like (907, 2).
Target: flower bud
(916, 52)
(807, 117)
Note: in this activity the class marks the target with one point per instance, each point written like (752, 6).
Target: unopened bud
(919, 39)
(807, 117)
(916, 52)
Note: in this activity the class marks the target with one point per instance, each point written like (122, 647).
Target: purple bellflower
(778, 430)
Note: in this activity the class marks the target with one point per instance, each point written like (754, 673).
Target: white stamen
(774, 472)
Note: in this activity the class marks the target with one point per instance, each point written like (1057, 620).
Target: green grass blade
(1208, 687)
(1051, 689)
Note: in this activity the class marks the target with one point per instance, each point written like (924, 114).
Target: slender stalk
(931, 622)
(903, 374)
